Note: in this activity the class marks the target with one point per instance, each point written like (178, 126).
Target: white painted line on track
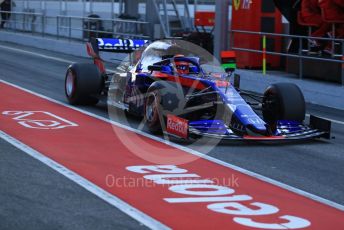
(37, 54)
(43, 56)
(191, 151)
(111, 71)
(89, 186)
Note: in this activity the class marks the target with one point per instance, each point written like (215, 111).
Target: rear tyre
(283, 101)
(83, 83)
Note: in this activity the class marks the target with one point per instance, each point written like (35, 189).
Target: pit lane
(315, 167)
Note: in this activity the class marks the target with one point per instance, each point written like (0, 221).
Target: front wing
(286, 131)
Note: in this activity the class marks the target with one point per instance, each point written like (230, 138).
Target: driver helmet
(182, 66)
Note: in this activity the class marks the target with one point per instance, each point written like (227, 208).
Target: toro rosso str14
(179, 89)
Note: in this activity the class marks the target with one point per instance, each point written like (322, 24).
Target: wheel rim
(70, 84)
(151, 108)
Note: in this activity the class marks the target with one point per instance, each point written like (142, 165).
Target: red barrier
(257, 16)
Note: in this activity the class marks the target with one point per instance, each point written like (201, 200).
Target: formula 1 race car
(180, 89)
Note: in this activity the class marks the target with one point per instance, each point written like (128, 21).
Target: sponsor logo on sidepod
(222, 199)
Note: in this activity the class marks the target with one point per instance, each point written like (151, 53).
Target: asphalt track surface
(34, 196)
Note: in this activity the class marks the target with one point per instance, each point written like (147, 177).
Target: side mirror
(154, 68)
(229, 70)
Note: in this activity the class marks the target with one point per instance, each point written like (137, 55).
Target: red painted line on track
(93, 151)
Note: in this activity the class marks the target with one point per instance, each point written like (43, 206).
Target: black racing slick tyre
(162, 98)
(152, 110)
(83, 83)
(283, 101)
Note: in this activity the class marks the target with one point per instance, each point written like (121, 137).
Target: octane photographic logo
(172, 102)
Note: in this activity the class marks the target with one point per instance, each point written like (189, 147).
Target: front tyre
(83, 82)
(162, 98)
(283, 101)
(152, 112)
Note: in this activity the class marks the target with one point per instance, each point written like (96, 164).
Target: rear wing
(115, 45)
(120, 45)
